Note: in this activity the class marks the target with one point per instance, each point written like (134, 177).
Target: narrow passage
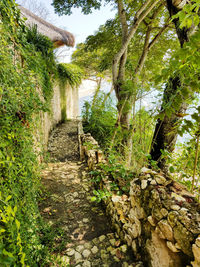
(87, 238)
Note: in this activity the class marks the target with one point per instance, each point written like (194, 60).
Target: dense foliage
(27, 69)
(169, 69)
(99, 119)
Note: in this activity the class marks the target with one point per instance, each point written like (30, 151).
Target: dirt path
(86, 238)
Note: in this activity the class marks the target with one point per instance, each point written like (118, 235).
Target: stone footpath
(87, 238)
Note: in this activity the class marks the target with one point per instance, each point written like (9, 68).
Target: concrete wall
(70, 105)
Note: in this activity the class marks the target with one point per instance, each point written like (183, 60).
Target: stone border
(88, 148)
(159, 219)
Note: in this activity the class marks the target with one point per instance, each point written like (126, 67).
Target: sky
(80, 25)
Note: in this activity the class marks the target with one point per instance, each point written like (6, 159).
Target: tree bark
(166, 130)
(126, 101)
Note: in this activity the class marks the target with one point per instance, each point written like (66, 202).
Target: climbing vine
(27, 69)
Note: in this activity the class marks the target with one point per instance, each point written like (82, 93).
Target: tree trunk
(166, 130)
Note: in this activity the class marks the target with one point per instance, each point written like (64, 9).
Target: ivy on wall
(27, 69)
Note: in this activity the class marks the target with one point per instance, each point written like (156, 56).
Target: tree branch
(158, 34)
(122, 16)
(133, 29)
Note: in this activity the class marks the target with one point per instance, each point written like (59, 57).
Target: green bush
(25, 90)
(99, 119)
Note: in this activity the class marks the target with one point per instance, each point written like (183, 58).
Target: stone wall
(159, 219)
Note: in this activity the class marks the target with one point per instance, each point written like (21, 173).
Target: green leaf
(93, 199)
(17, 224)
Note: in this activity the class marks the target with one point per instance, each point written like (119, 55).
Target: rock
(134, 247)
(104, 255)
(177, 197)
(128, 239)
(136, 212)
(101, 238)
(153, 182)
(164, 212)
(95, 241)
(172, 247)
(172, 218)
(175, 207)
(75, 194)
(183, 211)
(134, 232)
(113, 251)
(159, 254)
(155, 195)
(116, 259)
(109, 249)
(123, 248)
(196, 252)
(177, 246)
(65, 260)
(160, 179)
(86, 253)
(77, 256)
(156, 213)
(166, 230)
(70, 251)
(88, 245)
(197, 242)
(86, 264)
(144, 184)
(183, 238)
(94, 250)
(151, 220)
(80, 248)
(132, 215)
(116, 199)
(112, 242)
(145, 170)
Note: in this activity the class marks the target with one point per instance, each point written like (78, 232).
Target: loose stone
(112, 242)
(86, 264)
(70, 251)
(101, 238)
(175, 207)
(94, 249)
(124, 248)
(86, 253)
(80, 248)
(77, 256)
(144, 184)
(172, 247)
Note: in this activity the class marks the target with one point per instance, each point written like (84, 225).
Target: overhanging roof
(58, 36)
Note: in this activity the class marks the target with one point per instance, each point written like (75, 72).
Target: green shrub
(25, 90)
(99, 119)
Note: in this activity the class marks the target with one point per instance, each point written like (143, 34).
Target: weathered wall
(159, 219)
(67, 103)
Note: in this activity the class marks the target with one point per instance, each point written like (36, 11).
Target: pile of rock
(159, 219)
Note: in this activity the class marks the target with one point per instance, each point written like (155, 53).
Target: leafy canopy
(64, 7)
